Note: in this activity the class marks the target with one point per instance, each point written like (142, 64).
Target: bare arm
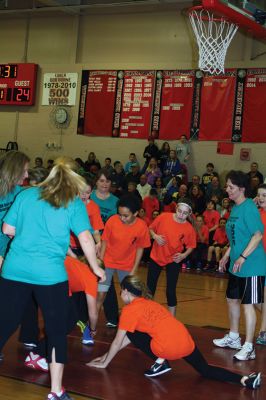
(178, 257)
(252, 245)
(139, 254)
(8, 230)
(160, 239)
(87, 244)
(120, 341)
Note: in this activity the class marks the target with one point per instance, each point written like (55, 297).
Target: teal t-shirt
(5, 204)
(38, 250)
(243, 223)
(108, 207)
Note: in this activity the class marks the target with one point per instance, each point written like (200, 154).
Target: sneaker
(246, 353)
(1, 356)
(87, 338)
(261, 339)
(36, 362)
(30, 345)
(227, 341)
(158, 369)
(253, 381)
(81, 326)
(111, 324)
(54, 396)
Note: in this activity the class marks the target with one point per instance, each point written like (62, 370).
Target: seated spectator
(211, 218)
(254, 185)
(142, 215)
(198, 200)
(163, 155)
(132, 160)
(133, 176)
(118, 175)
(50, 164)
(214, 188)
(150, 203)
(254, 171)
(209, 174)
(172, 167)
(143, 187)
(225, 209)
(155, 214)
(172, 186)
(38, 162)
(92, 160)
(158, 185)
(132, 189)
(195, 181)
(199, 255)
(150, 151)
(108, 165)
(169, 205)
(114, 189)
(152, 171)
(182, 192)
(219, 246)
(81, 166)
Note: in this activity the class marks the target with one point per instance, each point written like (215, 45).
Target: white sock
(248, 344)
(160, 360)
(233, 335)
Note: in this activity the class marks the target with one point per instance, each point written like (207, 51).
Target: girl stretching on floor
(152, 329)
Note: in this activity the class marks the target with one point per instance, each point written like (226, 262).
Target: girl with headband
(174, 239)
(152, 329)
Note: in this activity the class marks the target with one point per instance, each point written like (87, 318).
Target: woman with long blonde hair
(40, 220)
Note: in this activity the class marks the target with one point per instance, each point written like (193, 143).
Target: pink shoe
(36, 362)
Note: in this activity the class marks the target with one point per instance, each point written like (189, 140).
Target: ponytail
(136, 287)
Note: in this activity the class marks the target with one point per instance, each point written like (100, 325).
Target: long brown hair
(12, 165)
(63, 184)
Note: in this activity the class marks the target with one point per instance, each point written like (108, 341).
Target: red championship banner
(217, 106)
(176, 104)
(137, 102)
(100, 103)
(254, 121)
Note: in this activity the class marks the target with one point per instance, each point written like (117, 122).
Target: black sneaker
(253, 381)
(158, 369)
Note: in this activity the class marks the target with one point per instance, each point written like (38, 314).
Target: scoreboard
(18, 84)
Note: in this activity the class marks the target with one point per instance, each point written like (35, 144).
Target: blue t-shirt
(108, 207)
(38, 250)
(5, 204)
(243, 223)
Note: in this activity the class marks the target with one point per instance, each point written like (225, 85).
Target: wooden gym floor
(201, 306)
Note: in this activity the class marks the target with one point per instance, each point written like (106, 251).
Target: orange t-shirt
(263, 218)
(205, 233)
(170, 338)
(149, 206)
(211, 218)
(80, 277)
(96, 221)
(220, 236)
(177, 237)
(123, 241)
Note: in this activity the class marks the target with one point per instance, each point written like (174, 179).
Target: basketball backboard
(248, 15)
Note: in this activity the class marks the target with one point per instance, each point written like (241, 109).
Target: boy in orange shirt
(219, 246)
(199, 254)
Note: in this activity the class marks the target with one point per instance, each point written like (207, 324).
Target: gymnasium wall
(150, 40)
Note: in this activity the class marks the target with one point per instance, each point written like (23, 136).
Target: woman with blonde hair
(13, 170)
(40, 220)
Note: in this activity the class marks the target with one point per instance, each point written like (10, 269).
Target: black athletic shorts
(249, 290)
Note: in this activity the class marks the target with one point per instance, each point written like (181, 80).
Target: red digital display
(17, 84)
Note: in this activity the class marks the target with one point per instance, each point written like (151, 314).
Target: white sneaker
(246, 353)
(227, 341)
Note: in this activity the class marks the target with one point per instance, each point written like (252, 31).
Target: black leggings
(53, 302)
(172, 273)
(195, 359)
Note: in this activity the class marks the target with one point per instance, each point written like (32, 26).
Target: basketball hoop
(214, 35)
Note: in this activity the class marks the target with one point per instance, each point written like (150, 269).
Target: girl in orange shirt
(174, 239)
(152, 329)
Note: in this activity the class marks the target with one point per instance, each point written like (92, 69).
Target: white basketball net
(213, 37)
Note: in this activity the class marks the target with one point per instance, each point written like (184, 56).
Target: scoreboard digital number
(18, 84)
